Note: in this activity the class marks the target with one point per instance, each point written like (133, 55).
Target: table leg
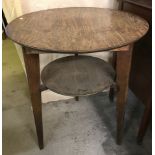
(123, 64)
(112, 89)
(111, 94)
(145, 120)
(76, 98)
(33, 76)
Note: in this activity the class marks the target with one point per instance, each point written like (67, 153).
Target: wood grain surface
(78, 75)
(77, 30)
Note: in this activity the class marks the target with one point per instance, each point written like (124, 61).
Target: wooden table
(77, 31)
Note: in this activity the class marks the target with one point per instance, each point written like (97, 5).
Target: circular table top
(77, 30)
(78, 75)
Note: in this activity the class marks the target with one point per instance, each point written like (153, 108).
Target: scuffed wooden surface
(78, 75)
(72, 30)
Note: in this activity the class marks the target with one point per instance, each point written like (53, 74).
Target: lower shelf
(78, 75)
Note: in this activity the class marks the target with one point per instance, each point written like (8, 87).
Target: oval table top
(78, 75)
(77, 30)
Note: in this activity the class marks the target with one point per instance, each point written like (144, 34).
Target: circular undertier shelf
(78, 75)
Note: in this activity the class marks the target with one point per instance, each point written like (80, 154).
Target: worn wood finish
(78, 75)
(33, 76)
(77, 30)
(123, 64)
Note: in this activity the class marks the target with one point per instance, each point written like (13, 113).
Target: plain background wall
(16, 8)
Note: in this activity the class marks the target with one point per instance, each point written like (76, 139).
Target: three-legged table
(77, 31)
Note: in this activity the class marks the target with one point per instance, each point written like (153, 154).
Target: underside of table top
(77, 30)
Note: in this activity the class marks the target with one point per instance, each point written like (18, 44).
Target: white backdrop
(16, 8)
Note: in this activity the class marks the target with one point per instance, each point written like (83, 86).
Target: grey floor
(86, 127)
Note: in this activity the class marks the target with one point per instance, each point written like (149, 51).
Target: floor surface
(86, 127)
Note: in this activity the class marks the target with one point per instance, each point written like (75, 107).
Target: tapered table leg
(33, 76)
(123, 64)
